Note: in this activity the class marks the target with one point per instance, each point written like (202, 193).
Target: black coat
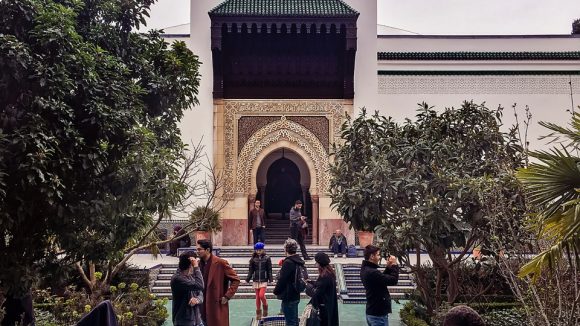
(285, 289)
(324, 298)
(375, 282)
(260, 269)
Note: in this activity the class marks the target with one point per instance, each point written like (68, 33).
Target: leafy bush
(205, 219)
(410, 314)
(133, 305)
(505, 317)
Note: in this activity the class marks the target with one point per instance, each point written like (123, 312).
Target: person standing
(258, 222)
(378, 298)
(261, 273)
(285, 288)
(186, 290)
(296, 222)
(221, 283)
(338, 244)
(323, 291)
(183, 241)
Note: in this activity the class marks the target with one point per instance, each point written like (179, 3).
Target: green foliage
(552, 184)
(434, 182)
(505, 317)
(133, 305)
(89, 137)
(409, 315)
(205, 219)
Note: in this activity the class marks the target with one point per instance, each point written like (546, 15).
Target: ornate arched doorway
(282, 178)
(282, 187)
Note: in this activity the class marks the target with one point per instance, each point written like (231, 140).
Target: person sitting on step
(338, 244)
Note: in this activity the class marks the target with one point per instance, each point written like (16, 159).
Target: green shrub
(505, 317)
(133, 305)
(409, 315)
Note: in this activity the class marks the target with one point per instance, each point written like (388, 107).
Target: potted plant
(204, 221)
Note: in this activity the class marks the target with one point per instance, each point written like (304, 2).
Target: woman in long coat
(323, 291)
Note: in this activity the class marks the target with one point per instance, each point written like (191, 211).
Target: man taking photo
(375, 283)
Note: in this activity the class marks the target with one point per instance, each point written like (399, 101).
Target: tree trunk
(453, 288)
(425, 290)
(18, 310)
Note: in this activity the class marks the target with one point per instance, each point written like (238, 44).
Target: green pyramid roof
(284, 8)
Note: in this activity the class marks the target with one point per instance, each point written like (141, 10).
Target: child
(261, 273)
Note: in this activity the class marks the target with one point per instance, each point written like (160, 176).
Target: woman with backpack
(323, 291)
(261, 273)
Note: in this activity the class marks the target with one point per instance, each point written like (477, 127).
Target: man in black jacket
(375, 282)
(285, 288)
(186, 289)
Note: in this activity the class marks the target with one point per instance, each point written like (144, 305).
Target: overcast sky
(451, 17)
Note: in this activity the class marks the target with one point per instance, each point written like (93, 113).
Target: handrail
(341, 279)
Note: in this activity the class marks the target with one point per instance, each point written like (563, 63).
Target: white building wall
(508, 43)
(198, 122)
(549, 97)
(366, 54)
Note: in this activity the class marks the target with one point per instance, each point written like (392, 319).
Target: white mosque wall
(197, 124)
(502, 43)
(366, 54)
(549, 97)
(543, 107)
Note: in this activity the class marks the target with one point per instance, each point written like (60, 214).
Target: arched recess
(274, 156)
(287, 134)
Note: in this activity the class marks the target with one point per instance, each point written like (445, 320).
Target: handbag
(310, 316)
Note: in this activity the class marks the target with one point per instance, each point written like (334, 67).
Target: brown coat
(254, 216)
(221, 281)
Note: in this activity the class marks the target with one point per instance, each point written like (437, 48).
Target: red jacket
(221, 281)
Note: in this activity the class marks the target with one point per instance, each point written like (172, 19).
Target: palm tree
(553, 185)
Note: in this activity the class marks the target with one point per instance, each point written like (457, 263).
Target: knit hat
(322, 259)
(259, 245)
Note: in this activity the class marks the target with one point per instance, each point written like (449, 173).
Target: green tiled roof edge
(443, 56)
(307, 8)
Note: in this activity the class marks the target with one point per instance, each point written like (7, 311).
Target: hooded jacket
(285, 287)
(375, 282)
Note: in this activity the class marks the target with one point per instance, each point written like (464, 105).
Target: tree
(552, 184)
(89, 139)
(427, 184)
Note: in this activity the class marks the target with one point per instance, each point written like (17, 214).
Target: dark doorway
(282, 188)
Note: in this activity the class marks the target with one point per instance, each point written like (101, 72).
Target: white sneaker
(343, 255)
(335, 255)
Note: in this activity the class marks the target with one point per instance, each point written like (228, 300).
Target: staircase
(355, 291)
(162, 287)
(350, 285)
(278, 230)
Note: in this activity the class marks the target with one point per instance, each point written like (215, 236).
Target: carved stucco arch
(282, 133)
(272, 157)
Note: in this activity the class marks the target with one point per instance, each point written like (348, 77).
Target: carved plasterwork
(238, 181)
(513, 84)
(282, 129)
(248, 125)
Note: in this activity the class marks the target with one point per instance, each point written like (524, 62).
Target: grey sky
(439, 16)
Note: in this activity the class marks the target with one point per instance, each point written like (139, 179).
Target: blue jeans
(290, 310)
(378, 320)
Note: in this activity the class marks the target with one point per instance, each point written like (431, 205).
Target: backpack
(300, 277)
(351, 253)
